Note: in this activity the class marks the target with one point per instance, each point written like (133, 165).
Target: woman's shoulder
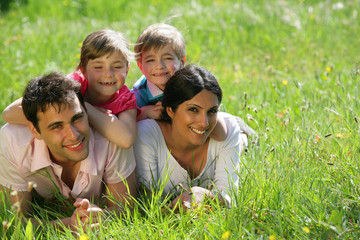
(148, 127)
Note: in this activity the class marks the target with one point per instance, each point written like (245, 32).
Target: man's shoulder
(16, 134)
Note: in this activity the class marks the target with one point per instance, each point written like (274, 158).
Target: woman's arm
(121, 130)
(14, 113)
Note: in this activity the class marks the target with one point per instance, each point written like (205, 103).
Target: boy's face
(159, 65)
(105, 76)
(66, 133)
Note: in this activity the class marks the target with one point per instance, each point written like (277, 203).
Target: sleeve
(79, 77)
(124, 100)
(10, 177)
(145, 149)
(139, 89)
(120, 165)
(227, 165)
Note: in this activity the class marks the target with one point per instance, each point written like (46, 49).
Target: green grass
(288, 68)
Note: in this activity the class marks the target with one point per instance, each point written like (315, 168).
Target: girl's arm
(14, 113)
(121, 130)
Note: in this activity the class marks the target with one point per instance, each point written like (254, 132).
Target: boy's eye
(97, 67)
(118, 67)
(149, 60)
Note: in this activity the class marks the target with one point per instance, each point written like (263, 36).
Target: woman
(176, 150)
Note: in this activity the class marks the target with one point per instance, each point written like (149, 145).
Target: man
(62, 153)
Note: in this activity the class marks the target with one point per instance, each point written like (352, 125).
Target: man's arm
(121, 194)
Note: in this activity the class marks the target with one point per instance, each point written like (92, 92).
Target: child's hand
(151, 111)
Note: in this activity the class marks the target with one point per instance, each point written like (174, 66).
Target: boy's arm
(14, 113)
(151, 111)
(220, 131)
(121, 130)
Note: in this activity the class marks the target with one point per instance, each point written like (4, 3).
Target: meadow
(290, 69)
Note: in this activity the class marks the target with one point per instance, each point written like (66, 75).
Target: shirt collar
(154, 90)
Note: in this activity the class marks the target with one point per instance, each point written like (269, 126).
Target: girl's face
(105, 76)
(195, 119)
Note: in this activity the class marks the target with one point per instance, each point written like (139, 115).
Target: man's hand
(85, 212)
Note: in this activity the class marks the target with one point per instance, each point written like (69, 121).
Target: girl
(104, 64)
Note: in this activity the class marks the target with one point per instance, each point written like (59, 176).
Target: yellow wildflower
(306, 229)
(84, 237)
(225, 235)
(272, 237)
(285, 82)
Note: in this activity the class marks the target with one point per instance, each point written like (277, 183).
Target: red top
(123, 99)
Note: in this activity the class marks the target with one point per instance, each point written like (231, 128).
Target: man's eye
(56, 127)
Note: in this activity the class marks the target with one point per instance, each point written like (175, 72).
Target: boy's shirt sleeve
(140, 91)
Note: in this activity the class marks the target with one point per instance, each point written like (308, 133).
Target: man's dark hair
(54, 90)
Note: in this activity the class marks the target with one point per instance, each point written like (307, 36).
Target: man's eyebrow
(78, 115)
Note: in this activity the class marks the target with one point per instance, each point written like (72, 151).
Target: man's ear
(33, 130)
(170, 112)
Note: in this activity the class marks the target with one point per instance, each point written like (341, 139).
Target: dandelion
(285, 82)
(80, 44)
(6, 225)
(272, 237)
(225, 235)
(328, 69)
(83, 237)
(306, 229)
(78, 56)
(325, 77)
(31, 185)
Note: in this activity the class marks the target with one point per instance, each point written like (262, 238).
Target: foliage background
(288, 68)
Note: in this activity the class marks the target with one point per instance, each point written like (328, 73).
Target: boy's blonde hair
(102, 42)
(158, 35)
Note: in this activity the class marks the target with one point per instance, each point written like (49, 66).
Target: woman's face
(195, 119)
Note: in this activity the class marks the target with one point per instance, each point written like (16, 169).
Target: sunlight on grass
(290, 69)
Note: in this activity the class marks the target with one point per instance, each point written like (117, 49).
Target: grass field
(290, 69)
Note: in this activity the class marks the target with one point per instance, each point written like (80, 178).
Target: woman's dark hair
(45, 91)
(185, 84)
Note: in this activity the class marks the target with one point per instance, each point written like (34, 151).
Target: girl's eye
(149, 60)
(118, 67)
(97, 67)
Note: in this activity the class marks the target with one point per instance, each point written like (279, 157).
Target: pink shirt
(123, 99)
(24, 158)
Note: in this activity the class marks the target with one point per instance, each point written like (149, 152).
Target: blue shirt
(144, 94)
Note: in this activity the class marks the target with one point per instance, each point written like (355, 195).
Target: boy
(160, 52)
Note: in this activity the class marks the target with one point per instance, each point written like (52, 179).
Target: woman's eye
(192, 109)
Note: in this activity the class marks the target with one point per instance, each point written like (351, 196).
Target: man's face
(66, 133)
